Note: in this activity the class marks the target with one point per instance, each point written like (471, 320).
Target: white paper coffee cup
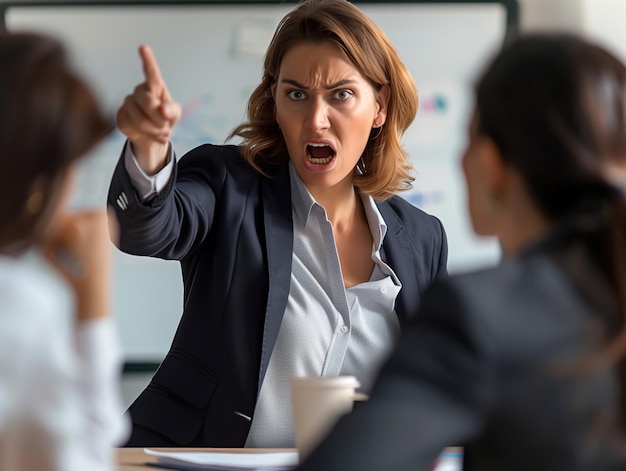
(318, 402)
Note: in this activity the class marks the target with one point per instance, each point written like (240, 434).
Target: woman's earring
(361, 166)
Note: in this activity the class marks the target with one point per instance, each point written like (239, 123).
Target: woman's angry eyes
(340, 95)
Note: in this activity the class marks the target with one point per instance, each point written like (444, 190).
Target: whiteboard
(211, 55)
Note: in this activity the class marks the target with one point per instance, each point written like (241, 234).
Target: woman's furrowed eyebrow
(296, 84)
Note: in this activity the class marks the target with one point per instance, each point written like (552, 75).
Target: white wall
(599, 20)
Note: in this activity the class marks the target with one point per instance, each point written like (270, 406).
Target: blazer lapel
(276, 192)
(397, 254)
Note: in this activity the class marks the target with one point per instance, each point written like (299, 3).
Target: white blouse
(60, 403)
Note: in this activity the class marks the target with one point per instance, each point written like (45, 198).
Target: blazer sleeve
(435, 391)
(180, 217)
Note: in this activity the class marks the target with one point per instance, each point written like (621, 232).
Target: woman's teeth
(319, 154)
(319, 161)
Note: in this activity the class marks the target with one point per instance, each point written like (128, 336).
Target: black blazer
(232, 231)
(492, 363)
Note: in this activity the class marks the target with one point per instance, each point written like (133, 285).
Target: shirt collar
(302, 203)
(301, 199)
(377, 224)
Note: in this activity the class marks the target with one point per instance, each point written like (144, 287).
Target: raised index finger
(151, 71)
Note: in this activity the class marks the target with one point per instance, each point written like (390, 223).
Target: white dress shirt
(327, 329)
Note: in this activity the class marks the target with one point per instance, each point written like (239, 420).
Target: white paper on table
(270, 461)
(450, 460)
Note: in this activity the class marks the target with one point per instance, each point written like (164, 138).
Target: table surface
(134, 459)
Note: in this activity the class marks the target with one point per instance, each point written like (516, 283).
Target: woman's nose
(317, 115)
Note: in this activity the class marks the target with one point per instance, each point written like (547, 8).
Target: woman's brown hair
(385, 169)
(48, 119)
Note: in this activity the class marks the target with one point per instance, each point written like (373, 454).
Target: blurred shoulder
(519, 300)
(509, 281)
(488, 287)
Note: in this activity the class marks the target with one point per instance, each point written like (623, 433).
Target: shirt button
(383, 290)
(344, 328)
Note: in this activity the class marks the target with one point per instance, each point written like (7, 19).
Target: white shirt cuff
(147, 186)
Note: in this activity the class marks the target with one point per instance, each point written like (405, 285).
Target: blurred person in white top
(60, 405)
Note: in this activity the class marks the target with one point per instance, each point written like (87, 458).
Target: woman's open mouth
(319, 154)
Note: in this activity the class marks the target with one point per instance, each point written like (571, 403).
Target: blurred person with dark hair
(522, 364)
(60, 359)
